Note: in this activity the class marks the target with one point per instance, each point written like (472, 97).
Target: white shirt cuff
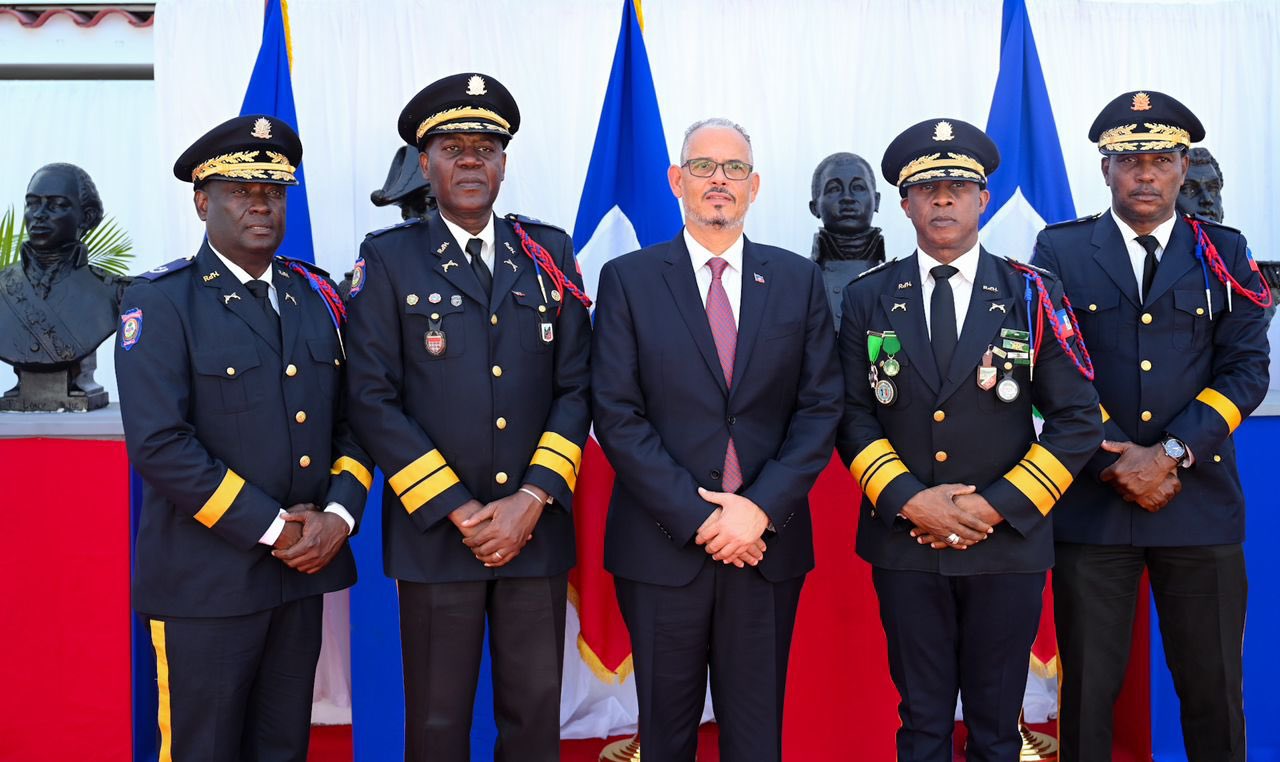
(272, 534)
(342, 513)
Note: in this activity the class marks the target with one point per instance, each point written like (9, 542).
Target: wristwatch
(1174, 448)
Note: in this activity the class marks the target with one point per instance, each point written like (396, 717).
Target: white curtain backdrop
(805, 78)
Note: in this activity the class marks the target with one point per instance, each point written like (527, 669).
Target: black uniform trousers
(969, 635)
(1200, 594)
(733, 621)
(442, 637)
(238, 688)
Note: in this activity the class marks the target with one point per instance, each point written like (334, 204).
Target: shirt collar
(1161, 232)
(699, 254)
(239, 271)
(461, 235)
(966, 264)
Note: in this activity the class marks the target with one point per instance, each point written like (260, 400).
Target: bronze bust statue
(844, 197)
(1202, 189)
(56, 308)
(407, 188)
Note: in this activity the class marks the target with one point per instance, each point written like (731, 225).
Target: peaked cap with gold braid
(247, 149)
(467, 102)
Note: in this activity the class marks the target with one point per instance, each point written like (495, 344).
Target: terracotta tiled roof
(82, 18)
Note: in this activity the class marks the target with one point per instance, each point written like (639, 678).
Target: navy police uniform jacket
(495, 399)
(228, 422)
(664, 414)
(943, 428)
(1163, 367)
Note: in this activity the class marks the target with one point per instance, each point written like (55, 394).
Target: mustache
(721, 190)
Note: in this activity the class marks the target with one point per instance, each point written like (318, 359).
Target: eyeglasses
(733, 169)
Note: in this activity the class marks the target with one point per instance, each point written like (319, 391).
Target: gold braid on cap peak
(464, 112)
(242, 165)
(1161, 137)
(954, 163)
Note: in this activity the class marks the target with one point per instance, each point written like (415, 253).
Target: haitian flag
(626, 204)
(270, 92)
(1029, 190)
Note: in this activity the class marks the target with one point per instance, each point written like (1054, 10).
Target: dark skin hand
(292, 531)
(973, 504)
(322, 537)
(935, 511)
(1143, 475)
(510, 525)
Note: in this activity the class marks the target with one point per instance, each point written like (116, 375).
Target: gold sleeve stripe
(562, 466)
(416, 471)
(1051, 467)
(1041, 477)
(221, 500)
(428, 489)
(355, 468)
(561, 446)
(1105, 415)
(1223, 406)
(869, 454)
(881, 475)
(162, 683)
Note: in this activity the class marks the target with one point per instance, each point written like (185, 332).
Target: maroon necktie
(725, 333)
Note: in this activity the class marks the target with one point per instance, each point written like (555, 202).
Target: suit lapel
(904, 304)
(287, 284)
(232, 295)
(451, 260)
(987, 312)
(1112, 255)
(755, 298)
(684, 290)
(508, 260)
(1178, 257)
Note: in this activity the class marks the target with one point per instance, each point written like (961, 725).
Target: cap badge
(942, 131)
(475, 85)
(262, 129)
(1141, 102)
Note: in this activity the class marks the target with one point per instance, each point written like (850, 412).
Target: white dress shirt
(962, 284)
(1137, 254)
(461, 236)
(273, 532)
(731, 278)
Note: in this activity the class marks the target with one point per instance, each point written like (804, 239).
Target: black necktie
(259, 289)
(479, 267)
(1149, 265)
(942, 317)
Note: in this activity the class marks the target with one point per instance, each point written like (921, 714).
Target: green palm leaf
(110, 247)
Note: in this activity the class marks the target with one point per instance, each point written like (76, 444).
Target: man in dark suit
(944, 353)
(469, 345)
(1181, 361)
(716, 394)
(230, 368)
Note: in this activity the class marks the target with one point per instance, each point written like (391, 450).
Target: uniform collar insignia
(899, 306)
(904, 284)
(448, 264)
(992, 289)
(210, 276)
(998, 306)
(226, 298)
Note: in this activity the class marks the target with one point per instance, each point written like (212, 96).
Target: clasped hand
(310, 538)
(498, 531)
(732, 534)
(950, 509)
(1143, 475)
